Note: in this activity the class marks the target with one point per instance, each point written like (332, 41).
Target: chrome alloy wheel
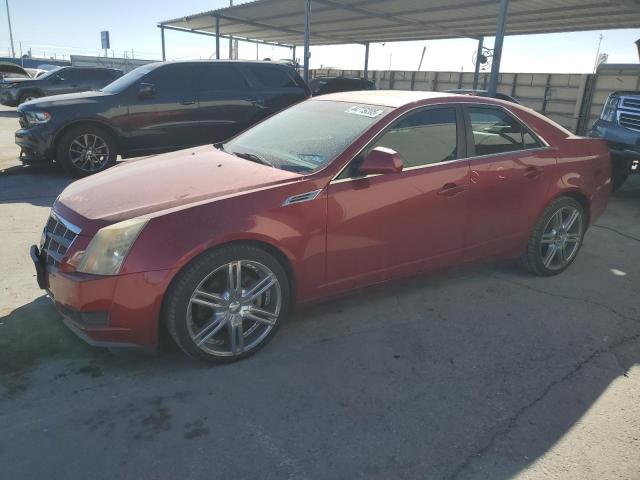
(234, 308)
(561, 238)
(89, 152)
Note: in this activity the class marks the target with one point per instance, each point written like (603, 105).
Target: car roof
(89, 68)
(242, 62)
(386, 98)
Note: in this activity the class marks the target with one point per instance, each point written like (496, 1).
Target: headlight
(109, 248)
(610, 107)
(35, 118)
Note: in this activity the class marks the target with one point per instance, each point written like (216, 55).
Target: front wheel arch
(92, 123)
(271, 249)
(171, 327)
(30, 91)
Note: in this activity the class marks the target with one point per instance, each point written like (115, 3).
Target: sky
(66, 27)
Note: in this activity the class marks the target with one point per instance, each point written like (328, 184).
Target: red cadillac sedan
(336, 193)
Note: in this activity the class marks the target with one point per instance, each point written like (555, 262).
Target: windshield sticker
(364, 111)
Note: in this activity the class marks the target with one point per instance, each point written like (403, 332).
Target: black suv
(323, 85)
(619, 125)
(14, 91)
(155, 108)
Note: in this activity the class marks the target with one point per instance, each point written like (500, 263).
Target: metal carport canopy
(363, 21)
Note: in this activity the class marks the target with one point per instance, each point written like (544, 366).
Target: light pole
(13, 51)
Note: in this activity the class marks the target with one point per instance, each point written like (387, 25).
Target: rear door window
(271, 77)
(495, 131)
(218, 77)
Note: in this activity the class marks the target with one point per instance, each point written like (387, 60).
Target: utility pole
(595, 64)
(230, 38)
(13, 51)
(422, 57)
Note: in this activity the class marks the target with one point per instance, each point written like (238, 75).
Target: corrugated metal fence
(124, 64)
(572, 100)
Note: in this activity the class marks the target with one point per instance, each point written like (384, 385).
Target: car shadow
(440, 369)
(37, 184)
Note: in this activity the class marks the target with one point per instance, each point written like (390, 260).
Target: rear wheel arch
(580, 197)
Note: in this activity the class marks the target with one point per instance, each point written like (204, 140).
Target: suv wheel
(227, 304)
(25, 97)
(557, 238)
(85, 150)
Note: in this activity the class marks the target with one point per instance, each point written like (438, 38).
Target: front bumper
(36, 143)
(624, 144)
(114, 311)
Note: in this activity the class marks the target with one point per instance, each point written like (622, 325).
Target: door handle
(533, 172)
(257, 101)
(187, 102)
(451, 189)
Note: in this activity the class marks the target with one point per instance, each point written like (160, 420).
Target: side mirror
(146, 90)
(381, 160)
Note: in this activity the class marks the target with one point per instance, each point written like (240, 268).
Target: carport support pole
(294, 54)
(497, 48)
(307, 19)
(217, 37)
(366, 61)
(164, 56)
(476, 74)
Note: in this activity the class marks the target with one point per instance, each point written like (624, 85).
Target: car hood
(143, 187)
(66, 99)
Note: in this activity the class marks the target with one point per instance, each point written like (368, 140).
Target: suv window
(217, 77)
(271, 76)
(495, 131)
(64, 75)
(94, 75)
(425, 137)
(171, 80)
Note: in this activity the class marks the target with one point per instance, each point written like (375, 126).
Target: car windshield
(128, 79)
(307, 136)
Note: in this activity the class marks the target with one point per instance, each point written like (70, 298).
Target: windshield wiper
(254, 158)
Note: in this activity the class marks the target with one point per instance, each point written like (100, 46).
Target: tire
(25, 97)
(219, 326)
(85, 150)
(554, 245)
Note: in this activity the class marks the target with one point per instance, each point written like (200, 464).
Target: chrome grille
(57, 237)
(629, 113)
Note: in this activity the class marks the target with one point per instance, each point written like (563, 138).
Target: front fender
(171, 240)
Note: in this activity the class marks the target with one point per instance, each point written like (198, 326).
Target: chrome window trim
(545, 146)
(475, 157)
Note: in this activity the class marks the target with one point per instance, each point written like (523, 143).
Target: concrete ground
(481, 373)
